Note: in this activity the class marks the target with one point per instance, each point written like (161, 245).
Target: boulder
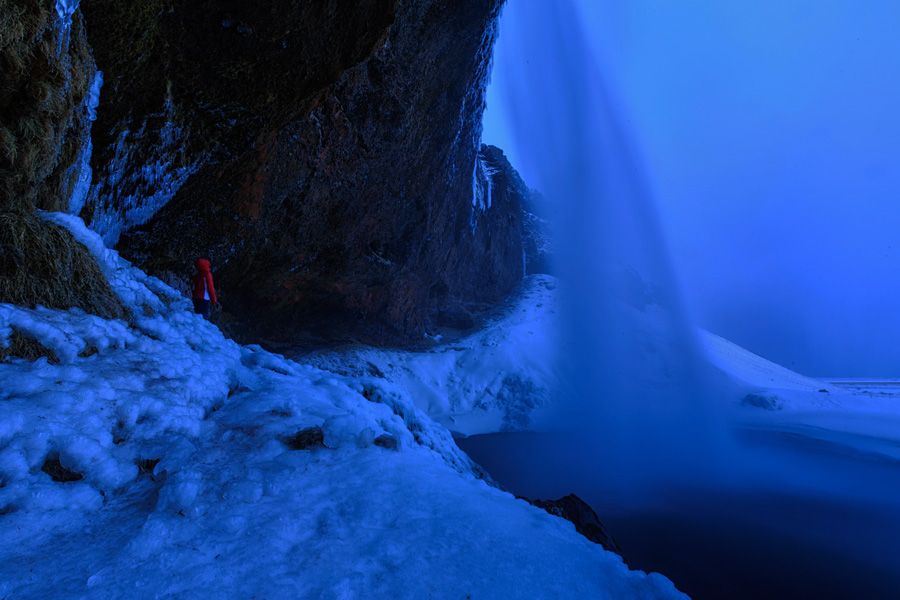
(574, 509)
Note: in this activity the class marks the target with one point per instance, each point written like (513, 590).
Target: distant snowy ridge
(770, 397)
(161, 459)
(753, 369)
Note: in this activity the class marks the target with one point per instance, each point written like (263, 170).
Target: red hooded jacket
(203, 288)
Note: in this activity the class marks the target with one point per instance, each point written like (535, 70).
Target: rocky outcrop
(325, 157)
(508, 187)
(574, 509)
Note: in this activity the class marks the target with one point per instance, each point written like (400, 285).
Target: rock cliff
(326, 158)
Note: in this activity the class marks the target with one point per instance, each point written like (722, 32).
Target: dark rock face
(324, 156)
(59, 473)
(311, 437)
(508, 187)
(386, 441)
(574, 509)
(192, 84)
(765, 402)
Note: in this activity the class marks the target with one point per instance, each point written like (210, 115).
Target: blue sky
(770, 136)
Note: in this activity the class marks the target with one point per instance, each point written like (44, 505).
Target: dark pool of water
(825, 526)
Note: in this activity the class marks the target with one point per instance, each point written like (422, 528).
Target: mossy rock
(43, 84)
(42, 263)
(21, 346)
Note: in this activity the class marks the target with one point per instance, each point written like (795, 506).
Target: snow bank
(135, 288)
(859, 415)
(754, 370)
(159, 459)
(497, 379)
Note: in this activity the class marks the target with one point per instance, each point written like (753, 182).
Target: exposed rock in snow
(574, 509)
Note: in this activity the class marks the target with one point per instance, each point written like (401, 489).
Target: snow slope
(861, 415)
(754, 370)
(195, 484)
(499, 378)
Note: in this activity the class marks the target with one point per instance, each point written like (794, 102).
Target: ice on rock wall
(134, 191)
(482, 184)
(82, 168)
(482, 188)
(93, 97)
(64, 11)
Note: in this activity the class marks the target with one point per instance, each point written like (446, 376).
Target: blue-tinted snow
(189, 490)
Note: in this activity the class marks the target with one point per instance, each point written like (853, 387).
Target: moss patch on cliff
(42, 263)
(43, 82)
(45, 74)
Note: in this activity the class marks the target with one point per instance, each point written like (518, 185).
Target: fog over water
(638, 393)
(771, 142)
(723, 166)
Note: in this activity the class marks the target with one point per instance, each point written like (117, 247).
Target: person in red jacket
(202, 289)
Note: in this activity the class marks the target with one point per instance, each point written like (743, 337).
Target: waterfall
(635, 408)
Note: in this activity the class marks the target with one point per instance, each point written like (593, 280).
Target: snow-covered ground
(198, 468)
(499, 378)
(864, 415)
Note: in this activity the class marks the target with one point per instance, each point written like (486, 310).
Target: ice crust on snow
(190, 491)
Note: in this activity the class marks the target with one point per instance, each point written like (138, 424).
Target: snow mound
(159, 459)
(134, 287)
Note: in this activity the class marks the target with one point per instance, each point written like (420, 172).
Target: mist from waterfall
(637, 406)
(701, 475)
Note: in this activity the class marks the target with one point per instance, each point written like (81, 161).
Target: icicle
(93, 98)
(64, 11)
(482, 188)
(83, 183)
(134, 193)
(476, 188)
(482, 184)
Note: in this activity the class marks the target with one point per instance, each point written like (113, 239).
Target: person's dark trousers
(201, 307)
